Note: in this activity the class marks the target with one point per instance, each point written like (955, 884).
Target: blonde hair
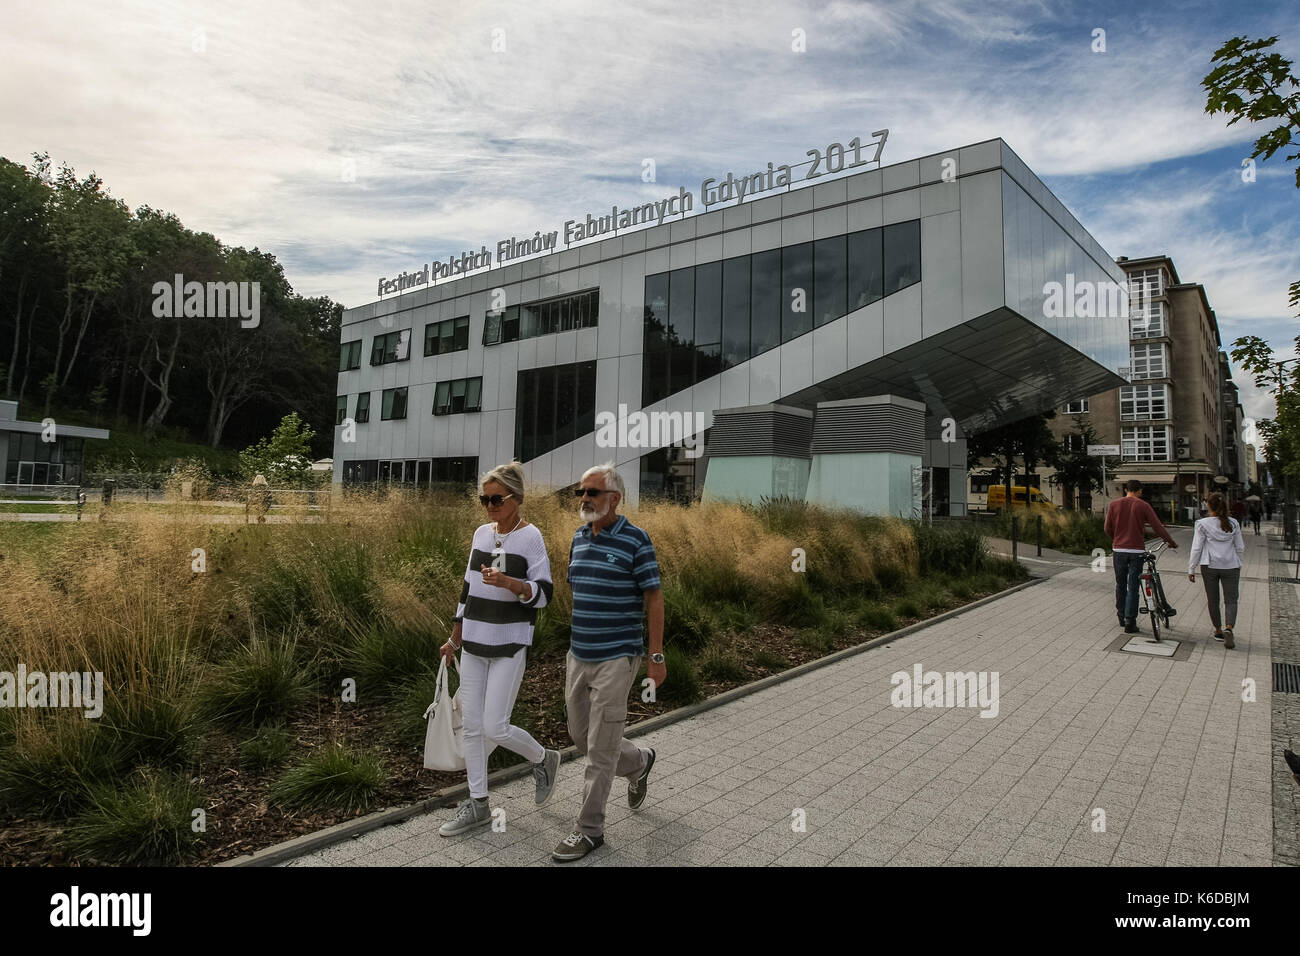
(510, 476)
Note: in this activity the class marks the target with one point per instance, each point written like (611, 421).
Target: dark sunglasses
(494, 500)
(591, 492)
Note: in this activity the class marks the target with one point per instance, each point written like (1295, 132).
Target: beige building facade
(1177, 423)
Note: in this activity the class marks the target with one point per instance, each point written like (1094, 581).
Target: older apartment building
(1178, 421)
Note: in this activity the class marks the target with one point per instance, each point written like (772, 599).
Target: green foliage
(333, 778)
(260, 682)
(719, 665)
(285, 457)
(683, 685)
(1253, 84)
(379, 654)
(53, 762)
(266, 749)
(147, 822)
(949, 548)
(770, 660)
(152, 728)
(907, 607)
(876, 617)
(689, 622)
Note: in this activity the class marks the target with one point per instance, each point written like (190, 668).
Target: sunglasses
(494, 500)
(591, 492)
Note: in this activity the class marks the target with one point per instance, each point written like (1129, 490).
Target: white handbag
(444, 743)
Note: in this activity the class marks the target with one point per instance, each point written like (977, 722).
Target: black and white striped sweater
(493, 615)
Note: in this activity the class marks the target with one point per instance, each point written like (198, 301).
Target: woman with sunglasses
(507, 580)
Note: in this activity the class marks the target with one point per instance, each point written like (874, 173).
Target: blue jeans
(1128, 571)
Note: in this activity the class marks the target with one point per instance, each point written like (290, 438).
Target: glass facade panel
(764, 301)
(708, 302)
(363, 408)
(393, 405)
(866, 268)
(561, 405)
(830, 271)
(681, 307)
(796, 290)
(735, 311)
(340, 409)
(902, 243)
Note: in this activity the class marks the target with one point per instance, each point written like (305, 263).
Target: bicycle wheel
(1152, 608)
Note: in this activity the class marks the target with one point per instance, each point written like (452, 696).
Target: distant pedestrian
(1126, 519)
(1204, 508)
(1268, 509)
(614, 576)
(1255, 515)
(507, 580)
(1237, 509)
(1217, 547)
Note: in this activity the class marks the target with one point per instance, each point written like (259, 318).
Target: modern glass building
(922, 281)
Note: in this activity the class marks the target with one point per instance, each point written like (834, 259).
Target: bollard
(1015, 527)
(1040, 536)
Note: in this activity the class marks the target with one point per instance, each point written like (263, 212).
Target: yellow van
(997, 498)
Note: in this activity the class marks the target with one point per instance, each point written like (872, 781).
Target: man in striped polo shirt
(615, 580)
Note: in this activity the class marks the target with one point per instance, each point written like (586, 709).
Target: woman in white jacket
(1217, 548)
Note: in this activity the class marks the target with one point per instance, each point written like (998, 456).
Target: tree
(1255, 83)
(1076, 470)
(1028, 437)
(284, 457)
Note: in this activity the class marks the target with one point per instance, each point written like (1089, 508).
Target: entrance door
(25, 472)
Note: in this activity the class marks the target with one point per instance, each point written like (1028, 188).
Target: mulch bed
(240, 820)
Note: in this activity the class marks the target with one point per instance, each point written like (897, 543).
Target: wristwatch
(656, 658)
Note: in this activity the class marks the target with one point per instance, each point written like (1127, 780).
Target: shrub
(817, 641)
(907, 608)
(952, 549)
(266, 749)
(770, 660)
(261, 682)
(793, 603)
(683, 684)
(717, 664)
(877, 618)
(147, 822)
(151, 728)
(381, 657)
(334, 778)
(54, 761)
(689, 623)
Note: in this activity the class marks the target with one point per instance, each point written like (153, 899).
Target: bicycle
(1155, 605)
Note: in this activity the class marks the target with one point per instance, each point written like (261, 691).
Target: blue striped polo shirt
(608, 573)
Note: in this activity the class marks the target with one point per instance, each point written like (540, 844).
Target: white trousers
(488, 687)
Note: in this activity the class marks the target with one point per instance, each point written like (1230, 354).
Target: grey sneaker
(470, 815)
(636, 790)
(575, 846)
(544, 775)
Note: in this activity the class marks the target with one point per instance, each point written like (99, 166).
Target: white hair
(613, 480)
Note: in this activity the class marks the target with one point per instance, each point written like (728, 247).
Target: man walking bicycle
(614, 576)
(1126, 520)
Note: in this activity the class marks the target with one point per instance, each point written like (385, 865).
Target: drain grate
(1286, 678)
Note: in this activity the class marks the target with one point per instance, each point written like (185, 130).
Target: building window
(420, 472)
(394, 404)
(578, 310)
(1147, 321)
(458, 395)
(1147, 361)
(449, 335)
(1079, 407)
(703, 319)
(1074, 443)
(363, 408)
(1138, 402)
(1144, 284)
(393, 347)
(340, 409)
(350, 356)
(553, 406)
(1145, 442)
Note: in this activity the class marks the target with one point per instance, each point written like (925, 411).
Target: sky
(357, 140)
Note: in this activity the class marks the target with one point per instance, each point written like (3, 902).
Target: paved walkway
(1168, 750)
